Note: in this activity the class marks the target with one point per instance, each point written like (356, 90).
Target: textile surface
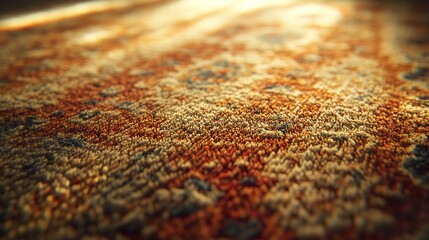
(216, 120)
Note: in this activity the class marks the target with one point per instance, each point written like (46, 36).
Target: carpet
(215, 120)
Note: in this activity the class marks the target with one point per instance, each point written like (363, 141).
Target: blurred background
(22, 6)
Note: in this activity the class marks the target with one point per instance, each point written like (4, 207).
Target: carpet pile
(215, 120)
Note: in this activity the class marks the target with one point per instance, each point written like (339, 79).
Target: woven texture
(208, 120)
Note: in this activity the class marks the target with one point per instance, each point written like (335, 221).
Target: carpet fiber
(215, 119)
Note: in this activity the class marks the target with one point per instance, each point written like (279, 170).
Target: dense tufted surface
(217, 119)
